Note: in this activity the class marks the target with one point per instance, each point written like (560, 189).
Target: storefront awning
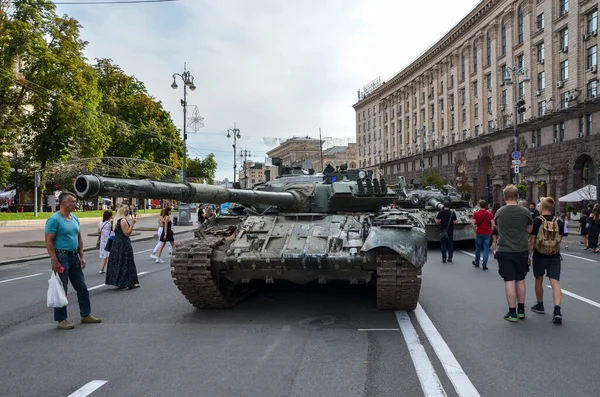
(586, 193)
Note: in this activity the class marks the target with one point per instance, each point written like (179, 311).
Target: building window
(592, 22)
(474, 59)
(504, 97)
(442, 123)
(541, 80)
(441, 106)
(488, 79)
(564, 100)
(564, 70)
(592, 56)
(533, 137)
(503, 39)
(563, 7)
(476, 110)
(521, 90)
(452, 121)
(463, 95)
(540, 21)
(464, 115)
(564, 39)
(475, 90)
(520, 27)
(540, 53)
(490, 126)
(488, 49)
(452, 102)
(555, 132)
(489, 105)
(476, 130)
(521, 61)
(582, 126)
(562, 132)
(462, 67)
(451, 81)
(592, 89)
(539, 137)
(588, 125)
(541, 108)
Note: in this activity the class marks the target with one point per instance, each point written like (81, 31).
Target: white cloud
(275, 68)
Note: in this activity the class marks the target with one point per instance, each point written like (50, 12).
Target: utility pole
(245, 154)
(321, 150)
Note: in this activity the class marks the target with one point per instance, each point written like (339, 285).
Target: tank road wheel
(398, 283)
(192, 274)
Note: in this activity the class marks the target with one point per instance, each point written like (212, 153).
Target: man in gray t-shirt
(514, 225)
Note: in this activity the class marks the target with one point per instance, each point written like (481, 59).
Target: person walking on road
(534, 212)
(122, 272)
(593, 227)
(160, 233)
(544, 251)
(583, 230)
(104, 229)
(514, 226)
(167, 234)
(563, 218)
(483, 221)
(494, 244)
(65, 247)
(446, 219)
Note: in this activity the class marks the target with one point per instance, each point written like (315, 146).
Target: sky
(274, 68)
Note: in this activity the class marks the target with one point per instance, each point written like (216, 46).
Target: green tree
(431, 178)
(202, 170)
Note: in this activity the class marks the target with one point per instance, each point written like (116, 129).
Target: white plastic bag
(56, 292)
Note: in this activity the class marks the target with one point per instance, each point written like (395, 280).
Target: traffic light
(521, 106)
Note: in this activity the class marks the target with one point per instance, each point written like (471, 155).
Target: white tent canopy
(585, 193)
(9, 194)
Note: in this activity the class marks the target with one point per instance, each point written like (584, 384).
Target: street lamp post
(422, 132)
(511, 77)
(236, 135)
(188, 81)
(16, 171)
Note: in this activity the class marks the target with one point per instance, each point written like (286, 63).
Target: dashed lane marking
(578, 257)
(430, 383)
(468, 253)
(104, 285)
(581, 298)
(20, 278)
(88, 388)
(141, 252)
(458, 377)
(378, 329)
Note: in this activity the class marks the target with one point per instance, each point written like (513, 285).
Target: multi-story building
(294, 152)
(335, 156)
(253, 173)
(452, 109)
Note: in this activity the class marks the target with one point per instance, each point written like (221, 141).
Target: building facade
(335, 156)
(295, 152)
(253, 173)
(452, 110)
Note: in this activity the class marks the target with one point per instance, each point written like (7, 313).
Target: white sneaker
(153, 256)
(158, 260)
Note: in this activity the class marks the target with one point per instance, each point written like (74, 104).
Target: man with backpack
(544, 252)
(482, 222)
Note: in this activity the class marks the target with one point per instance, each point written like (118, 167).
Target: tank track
(191, 272)
(398, 284)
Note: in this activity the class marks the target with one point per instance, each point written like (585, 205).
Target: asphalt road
(287, 340)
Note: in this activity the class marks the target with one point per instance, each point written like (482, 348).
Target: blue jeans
(448, 246)
(482, 241)
(74, 273)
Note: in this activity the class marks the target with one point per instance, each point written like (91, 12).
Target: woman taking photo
(121, 266)
(104, 229)
(167, 234)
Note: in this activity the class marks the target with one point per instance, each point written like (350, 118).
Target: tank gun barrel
(92, 185)
(436, 204)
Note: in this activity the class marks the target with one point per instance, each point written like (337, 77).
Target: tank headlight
(362, 174)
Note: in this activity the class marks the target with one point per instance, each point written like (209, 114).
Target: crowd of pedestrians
(522, 236)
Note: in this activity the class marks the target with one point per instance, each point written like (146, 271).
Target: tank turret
(301, 227)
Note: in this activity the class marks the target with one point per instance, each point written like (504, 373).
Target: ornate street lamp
(188, 82)
(235, 132)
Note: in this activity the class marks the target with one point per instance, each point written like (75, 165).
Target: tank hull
(463, 230)
(302, 248)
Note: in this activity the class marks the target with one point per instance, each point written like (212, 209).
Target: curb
(42, 222)
(85, 249)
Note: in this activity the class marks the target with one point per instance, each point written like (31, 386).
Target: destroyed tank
(426, 203)
(301, 227)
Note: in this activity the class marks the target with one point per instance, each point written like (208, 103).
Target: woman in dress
(167, 234)
(104, 229)
(121, 266)
(594, 229)
(159, 233)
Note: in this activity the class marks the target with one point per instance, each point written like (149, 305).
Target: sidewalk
(18, 232)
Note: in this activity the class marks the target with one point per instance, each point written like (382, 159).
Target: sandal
(134, 286)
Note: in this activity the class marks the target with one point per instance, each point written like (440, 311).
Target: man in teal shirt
(65, 246)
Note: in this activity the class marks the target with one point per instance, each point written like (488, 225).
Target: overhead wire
(112, 2)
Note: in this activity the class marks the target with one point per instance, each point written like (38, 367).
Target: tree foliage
(432, 178)
(202, 170)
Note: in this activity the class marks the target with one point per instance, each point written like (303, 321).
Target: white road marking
(141, 252)
(378, 329)
(271, 348)
(468, 253)
(104, 285)
(430, 383)
(581, 298)
(458, 377)
(89, 388)
(578, 257)
(20, 278)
